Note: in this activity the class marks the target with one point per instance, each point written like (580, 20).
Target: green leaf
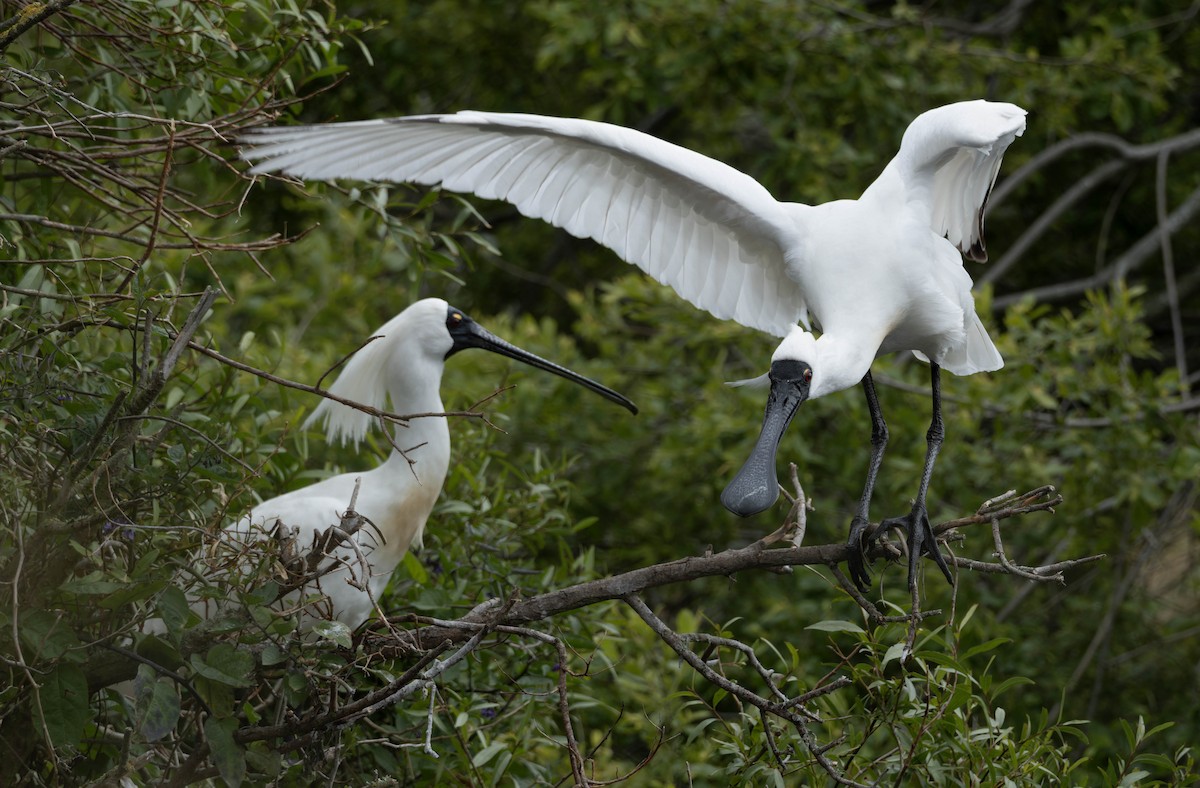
(416, 570)
(687, 621)
(160, 652)
(62, 706)
(502, 764)
(1162, 726)
(487, 753)
(226, 665)
(173, 609)
(895, 651)
(1133, 778)
(131, 593)
(1009, 683)
(984, 647)
(92, 584)
(265, 594)
(297, 687)
(227, 755)
(333, 631)
(157, 708)
(46, 635)
(272, 654)
(1157, 760)
(835, 625)
(262, 759)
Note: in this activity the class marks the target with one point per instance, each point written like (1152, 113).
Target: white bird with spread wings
(875, 275)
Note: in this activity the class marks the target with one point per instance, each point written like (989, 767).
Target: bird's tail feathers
(361, 380)
(977, 354)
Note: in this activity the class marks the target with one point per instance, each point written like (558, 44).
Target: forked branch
(729, 562)
(496, 620)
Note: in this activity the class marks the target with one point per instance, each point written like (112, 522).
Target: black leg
(861, 521)
(937, 431)
(920, 533)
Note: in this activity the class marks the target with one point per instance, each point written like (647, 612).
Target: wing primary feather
(681, 216)
(506, 176)
(642, 222)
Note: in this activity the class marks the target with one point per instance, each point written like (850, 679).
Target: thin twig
(1133, 257)
(1051, 571)
(1121, 147)
(727, 562)
(320, 392)
(1168, 260)
(28, 16)
(34, 687)
(998, 541)
(673, 640)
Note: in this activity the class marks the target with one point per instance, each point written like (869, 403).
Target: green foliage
(118, 207)
(810, 100)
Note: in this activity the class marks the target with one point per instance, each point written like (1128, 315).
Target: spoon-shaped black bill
(756, 486)
(466, 333)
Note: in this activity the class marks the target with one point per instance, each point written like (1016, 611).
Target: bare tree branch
(785, 710)
(435, 637)
(382, 415)
(1127, 154)
(29, 15)
(1168, 260)
(727, 562)
(1049, 216)
(1126, 150)
(1133, 257)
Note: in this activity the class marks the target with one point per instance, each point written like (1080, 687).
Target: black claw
(921, 541)
(856, 563)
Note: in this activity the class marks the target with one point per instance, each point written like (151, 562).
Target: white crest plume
(363, 379)
(760, 382)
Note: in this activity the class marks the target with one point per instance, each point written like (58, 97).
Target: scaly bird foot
(921, 541)
(856, 563)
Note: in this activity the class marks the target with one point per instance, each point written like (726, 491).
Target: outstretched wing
(712, 233)
(949, 159)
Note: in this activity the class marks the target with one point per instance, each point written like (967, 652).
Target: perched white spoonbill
(404, 364)
(879, 274)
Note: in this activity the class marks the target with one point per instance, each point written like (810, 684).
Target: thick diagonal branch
(725, 563)
(27, 17)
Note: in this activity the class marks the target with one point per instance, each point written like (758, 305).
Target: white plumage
(698, 225)
(879, 274)
(399, 370)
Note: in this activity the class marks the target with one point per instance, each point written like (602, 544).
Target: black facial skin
(466, 333)
(756, 486)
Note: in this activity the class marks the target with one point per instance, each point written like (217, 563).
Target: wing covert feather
(954, 153)
(712, 233)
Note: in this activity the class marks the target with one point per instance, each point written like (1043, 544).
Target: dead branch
(726, 563)
(1126, 156)
(1124, 149)
(1168, 258)
(434, 637)
(1132, 258)
(28, 16)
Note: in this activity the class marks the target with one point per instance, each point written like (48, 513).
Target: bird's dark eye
(808, 375)
(454, 320)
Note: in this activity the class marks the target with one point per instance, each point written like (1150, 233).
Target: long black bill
(756, 486)
(466, 333)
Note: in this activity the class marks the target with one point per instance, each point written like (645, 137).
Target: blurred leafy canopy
(104, 502)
